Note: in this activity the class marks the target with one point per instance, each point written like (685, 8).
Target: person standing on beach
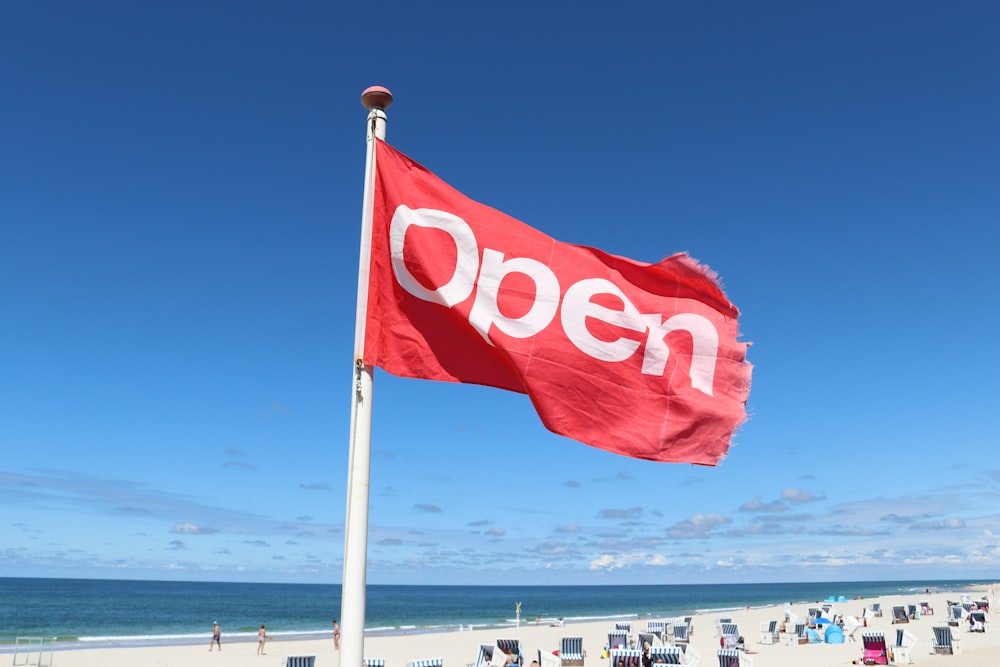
(261, 637)
(216, 636)
(336, 635)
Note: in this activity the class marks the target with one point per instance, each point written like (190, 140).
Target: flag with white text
(638, 359)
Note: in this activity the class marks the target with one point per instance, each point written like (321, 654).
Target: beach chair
(373, 662)
(769, 632)
(980, 618)
(945, 643)
(851, 625)
(681, 633)
(722, 619)
(426, 662)
(799, 637)
(571, 652)
(655, 628)
(667, 655)
(899, 614)
(485, 656)
(617, 639)
(546, 659)
(730, 657)
(625, 657)
(877, 609)
(300, 661)
(511, 648)
(983, 604)
(624, 626)
(903, 646)
(955, 613)
(730, 635)
(913, 611)
(875, 652)
(925, 608)
(645, 639)
(687, 622)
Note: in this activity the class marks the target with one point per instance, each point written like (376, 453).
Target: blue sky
(180, 195)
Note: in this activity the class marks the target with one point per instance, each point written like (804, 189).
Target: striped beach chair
(617, 639)
(730, 657)
(623, 625)
(667, 655)
(644, 639)
(656, 628)
(626, 657)
(374, 662)
(426, 662)
(512, 649)
(681, 633)
(955, 613)
(571, 651)
(799, 635)
(485, 656)
(874, 650)
(769, 632)
(300, 661)
(730, 635)
(905, 640)
(899, 614)
(944, 642)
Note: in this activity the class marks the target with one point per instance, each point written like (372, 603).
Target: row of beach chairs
(507, 652)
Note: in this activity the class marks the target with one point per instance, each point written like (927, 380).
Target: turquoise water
(87, 612)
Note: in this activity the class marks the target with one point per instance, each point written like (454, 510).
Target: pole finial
(376, 97)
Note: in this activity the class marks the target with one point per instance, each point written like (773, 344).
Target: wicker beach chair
(656, 628)
(903, 647)
(625, 657)
(945, 642)
(571, 652)
(510, 651)
(730, 635)
(374, 662)
(300, 661)
(769, 632)
(730, 657)
(485, 656)
(875, 651)
(667, 655)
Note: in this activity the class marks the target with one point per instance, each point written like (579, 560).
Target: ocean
(92, 613)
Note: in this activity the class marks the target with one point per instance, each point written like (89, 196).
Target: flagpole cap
(376, 97)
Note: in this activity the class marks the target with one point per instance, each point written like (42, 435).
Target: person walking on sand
(216, 637)
(336, 635)
(261, 637)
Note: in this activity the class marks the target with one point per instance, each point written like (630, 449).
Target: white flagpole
(352, 610)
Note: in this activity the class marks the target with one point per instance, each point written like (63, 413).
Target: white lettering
(485, 311)
(577, 302)
(703, 355)
(577, 307)
(462, 281)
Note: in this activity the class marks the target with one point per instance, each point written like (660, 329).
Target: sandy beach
(459, 649)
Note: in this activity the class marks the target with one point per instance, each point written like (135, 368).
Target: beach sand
(459, 649)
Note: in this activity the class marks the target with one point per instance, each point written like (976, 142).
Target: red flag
(638, 359)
